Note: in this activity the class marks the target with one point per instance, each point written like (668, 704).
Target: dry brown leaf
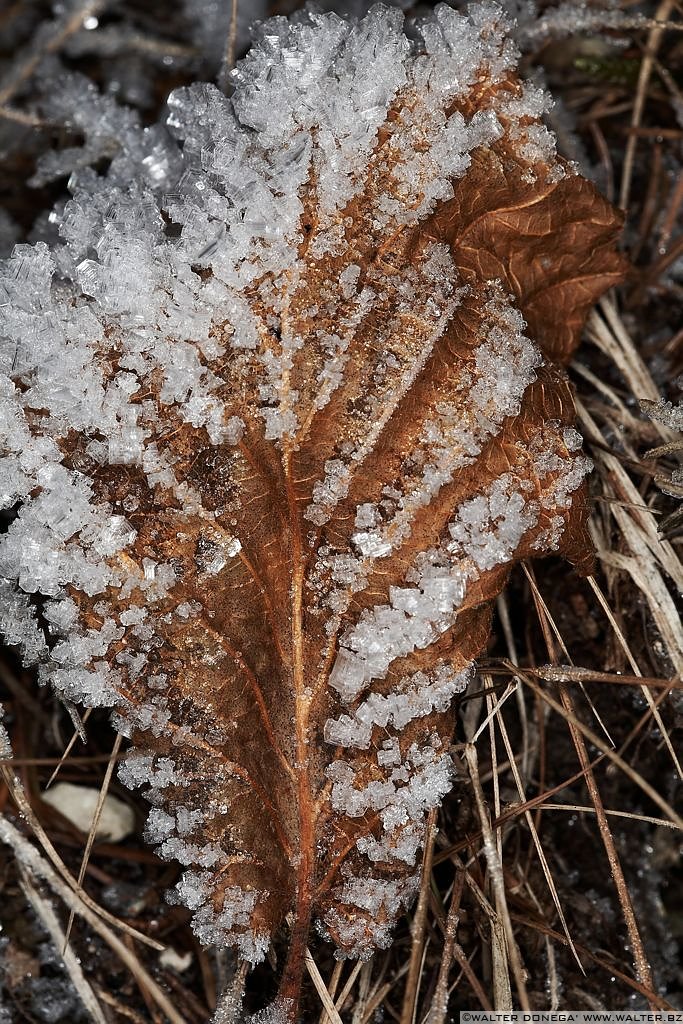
(317, 546)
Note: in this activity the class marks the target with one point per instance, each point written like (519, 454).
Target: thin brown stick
(94, 824)
(229, 59)
(575, 674)
(642, 965)
(439, 1007)
(496, 873)
(467, 970)
(655, 38)
(232, 35)
(593, 738)
(606, 965)
(37, 865)
(654, 710)
(611, 812)
(68, 749)
(511, 813)
(72, 964)
(643, 971)
(535, 837)
(419, 924)
(62, 29)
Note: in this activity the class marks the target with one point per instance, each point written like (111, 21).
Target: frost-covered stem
(439, 1007)
(496, 874)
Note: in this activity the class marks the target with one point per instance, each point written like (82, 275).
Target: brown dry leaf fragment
(319, 497)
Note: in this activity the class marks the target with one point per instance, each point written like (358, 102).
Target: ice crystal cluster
(278, 410)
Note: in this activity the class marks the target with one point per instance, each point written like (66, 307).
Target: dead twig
(656, 32)
(505, 936)
(95, 821)
(72, 964)
(50, 40)
(33, 862)
(419, 922)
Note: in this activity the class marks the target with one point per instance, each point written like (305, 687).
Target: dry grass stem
(418, 928)
(104, 789)
(534, 834)
(29, 857)
(439, 1005)
(643, 971)
(611, 812)
(504, 939)
(654, 710)
(593, 738)
(663, 13)
(321, 989)
(72, 964)
(67, 750)
(576, 674)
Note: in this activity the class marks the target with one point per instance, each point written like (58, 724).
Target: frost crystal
(272, 429)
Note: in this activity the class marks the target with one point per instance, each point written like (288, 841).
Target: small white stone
(78, 803)
(171, 960)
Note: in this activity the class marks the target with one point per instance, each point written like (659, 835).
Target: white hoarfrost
(171, 287)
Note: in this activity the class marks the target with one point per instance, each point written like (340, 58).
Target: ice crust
(162, 294)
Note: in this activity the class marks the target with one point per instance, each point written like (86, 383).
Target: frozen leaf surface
(278, 415)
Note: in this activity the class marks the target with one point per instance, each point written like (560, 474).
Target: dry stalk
(576, 674)
(643, 971)
(229, 58)
(611, 812)
(656, 32)
(606, 965)
(68, 749)
(30, 858)
(534, 835)
(593, 738)
(439, 1006)
(72, 964)
(526, 758)
(321, 989)
(505, 935)
(363, 994)
(332, 990)
(634, 665)
(345, 992)
(419, 923)
(95, 822)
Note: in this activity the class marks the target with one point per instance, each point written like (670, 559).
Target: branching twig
(49, 41)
